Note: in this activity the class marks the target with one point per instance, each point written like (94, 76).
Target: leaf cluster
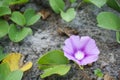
(58, 7)
(108, 20)
(18, 28)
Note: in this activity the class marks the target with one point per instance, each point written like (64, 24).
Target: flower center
(79, 55)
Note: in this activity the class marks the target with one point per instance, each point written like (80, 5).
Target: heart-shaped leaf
(18, 18)
(109, 21)
(17, 35)
(33, 20)
(59, 69)
(15, 75)
(29, 13)
(4, 28)
(55, 57)
(4, 71)
(98, 3)
(4, 10)
(31, 17)
(57, 5)
(54, 62)
(68, 15)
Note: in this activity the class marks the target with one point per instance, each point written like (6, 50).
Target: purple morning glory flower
(81, 50)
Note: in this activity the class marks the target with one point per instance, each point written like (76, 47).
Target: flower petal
(91, 47)
(67, 50)
(89, 59)
(83, 41)
(68, 45)
(75, 41)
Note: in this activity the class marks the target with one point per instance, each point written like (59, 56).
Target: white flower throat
(79, 55)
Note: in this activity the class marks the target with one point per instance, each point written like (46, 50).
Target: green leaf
(51, 58)
(72, 1)
(98, 73)
(98, 3)
(4, 71)
(17, 35)
(4, 28)
(114, 4)
(59, 69)
(4, 3)
(108, 20)
(1, 3)
(15, 75)
(29, 13)
(33, 20)
(15, 2)
(18, 18)
(118, 36)
(2, 55)
(57, 5)
(4, 11)
(68, 15)
(31, 17)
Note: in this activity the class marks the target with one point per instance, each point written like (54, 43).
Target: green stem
(118, 36)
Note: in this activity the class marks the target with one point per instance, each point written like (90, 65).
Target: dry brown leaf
(108, 77)
(44, 13)
(15, 61)
(67, 31)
